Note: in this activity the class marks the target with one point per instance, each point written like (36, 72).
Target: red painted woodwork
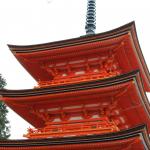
(81, 70)
(85, 58)
(73, 128)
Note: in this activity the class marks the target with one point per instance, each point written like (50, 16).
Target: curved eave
(139, 133)
(130, 27)
(71, 87)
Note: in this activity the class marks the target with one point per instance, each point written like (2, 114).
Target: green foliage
(2, 82)
(4, 123)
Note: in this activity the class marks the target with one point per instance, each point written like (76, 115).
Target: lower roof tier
(122, 99)
(132, 139)
(85, 58)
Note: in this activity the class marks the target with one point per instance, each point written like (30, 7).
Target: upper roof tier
(85, 58)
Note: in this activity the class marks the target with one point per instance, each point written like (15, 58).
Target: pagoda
(90, 93)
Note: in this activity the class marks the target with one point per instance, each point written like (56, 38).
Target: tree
(4, 123)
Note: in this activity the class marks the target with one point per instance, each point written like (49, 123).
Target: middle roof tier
(122, 99)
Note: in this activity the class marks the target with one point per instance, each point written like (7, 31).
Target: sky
(26, 22)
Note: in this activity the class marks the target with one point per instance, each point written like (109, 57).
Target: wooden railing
(95, 126)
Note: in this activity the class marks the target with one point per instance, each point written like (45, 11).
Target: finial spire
(91, 17)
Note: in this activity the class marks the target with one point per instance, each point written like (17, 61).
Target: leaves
(2, 82)
(4, 123)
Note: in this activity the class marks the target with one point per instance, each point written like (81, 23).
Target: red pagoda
(90, 93)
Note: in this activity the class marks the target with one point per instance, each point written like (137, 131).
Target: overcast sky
(24, 22)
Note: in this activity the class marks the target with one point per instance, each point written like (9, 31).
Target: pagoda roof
(127, 89)
(122, 41)
(62, 89)
(130, 27)
(133, 138)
